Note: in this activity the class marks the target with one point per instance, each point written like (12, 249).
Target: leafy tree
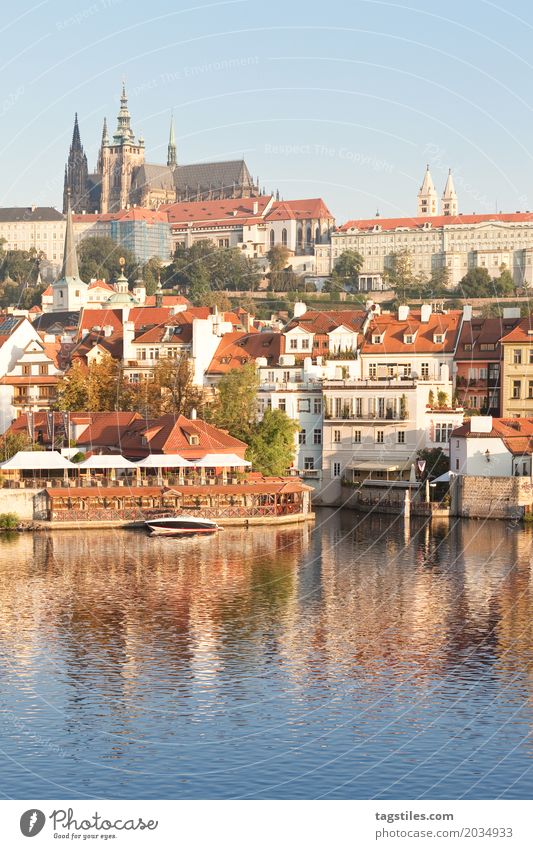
(204, 266)
(476, 283)
(99, 388)
(235, 408)
(99, 257)
(272, 447)
(216, 299)
(20, 267)
(179, 394)
(400, 273)
(346, 270)
(11, 443)
(504, 284)
(437, 463)
(151, 274)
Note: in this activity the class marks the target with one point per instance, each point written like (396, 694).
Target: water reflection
(355, 659)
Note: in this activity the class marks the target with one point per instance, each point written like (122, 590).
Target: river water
(354, 659)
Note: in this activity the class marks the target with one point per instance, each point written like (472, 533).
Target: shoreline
(44, 525)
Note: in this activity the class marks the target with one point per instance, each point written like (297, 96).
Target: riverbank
(100, 524)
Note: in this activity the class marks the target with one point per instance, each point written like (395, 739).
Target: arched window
(300, 235)
(317, 235)
(271, 238)
(284, 237)
(308, 236)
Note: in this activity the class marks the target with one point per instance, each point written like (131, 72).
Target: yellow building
(517, 370)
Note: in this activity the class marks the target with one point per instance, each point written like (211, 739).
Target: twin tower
(428, 199)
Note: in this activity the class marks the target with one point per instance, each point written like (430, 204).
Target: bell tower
(427, 196)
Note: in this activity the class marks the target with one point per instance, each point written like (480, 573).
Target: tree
(215, 299)
(400, 273)
(346, 270)
(151, 274)
(99, 258)
(99, 388)
(272, 447)
(235, 408)
(476, 283)
(204, 267)
(437, 463)
(11, 443)
(504, 284)
(179, 394)
(278, 257)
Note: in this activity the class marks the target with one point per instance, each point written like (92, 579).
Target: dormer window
(377, 338)
(194, 439)
(408, 338)
(438, 338)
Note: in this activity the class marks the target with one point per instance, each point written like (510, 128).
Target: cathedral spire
(76, 141)
(124, 134)
(449, 197)
(427, 196)
(105, 135)
(171, 151)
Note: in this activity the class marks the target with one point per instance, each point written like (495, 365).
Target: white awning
(445, 478)
(376, 466)
(223, 461)
(105, 461)
(34, 460)
(164, 461)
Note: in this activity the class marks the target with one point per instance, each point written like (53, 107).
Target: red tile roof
(100, 284)
(289, 210)
(212, 211)
(482, 331)
(393, 331)
(516, 433)
(418, 222)
(522, 333)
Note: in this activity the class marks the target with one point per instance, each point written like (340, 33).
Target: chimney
(255, 207)
(425, 313)
(299, 309)
(193, 414)
(108, 330)
(128, 335)
(403, 312)
(467, 312)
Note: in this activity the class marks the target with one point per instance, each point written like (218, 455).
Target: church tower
(118, 160)
(427, 196)
(75, 182)
(449, 198)
(69, 292)
(172, 159)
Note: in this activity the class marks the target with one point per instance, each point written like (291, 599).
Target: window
(26, 369)
(284, 237)
(424, 371)
(336, 436)
(336, 470)
(282, 405)
(301, 437)
(357, 436)
(305, 344)
(358, 407)
(530, 389)
(401, 437)
(380, 436)
(517, 356)
(438, 338)
(485, 346)
(457, 463)
(531, 356)
(317, 406)
(408, 339)
(516, 388)
(309, 463)
(293, 344)
(286, 376)
(317, 436)
(376, 339)
(304, 405)
(272, 238)
(372, 371)
(43, 369)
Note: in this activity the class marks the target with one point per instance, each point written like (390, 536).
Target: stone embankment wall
(19, 501)
(491, 498)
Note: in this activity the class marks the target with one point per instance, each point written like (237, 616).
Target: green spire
(171, 151)
(124, 134)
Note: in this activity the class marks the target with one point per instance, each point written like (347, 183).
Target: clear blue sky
(346, 100)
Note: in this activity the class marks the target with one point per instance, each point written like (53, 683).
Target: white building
(16, 334)
(39, 227)
(492, 447)
(374, 428)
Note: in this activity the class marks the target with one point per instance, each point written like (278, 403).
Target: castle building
(123, 178)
